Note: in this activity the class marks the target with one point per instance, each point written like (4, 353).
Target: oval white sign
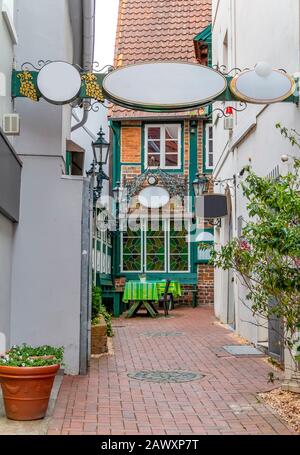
(163, 85)
(154, 197)
(59, 82)
(262, 89)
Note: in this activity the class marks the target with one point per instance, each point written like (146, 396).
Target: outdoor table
(146, 294)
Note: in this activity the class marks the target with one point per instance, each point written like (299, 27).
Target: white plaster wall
(47, 259)
(6, 64)
(6, 244)
(256, 31)
(47, 250)
(6, 226)
(44, 34)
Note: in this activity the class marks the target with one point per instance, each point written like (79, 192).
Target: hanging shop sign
(262, 85)
(59, 82)
(214, 206)
(154, 197)
(153, 86)
(164, 86)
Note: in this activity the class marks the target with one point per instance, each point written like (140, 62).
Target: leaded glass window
(132, 250)
(155, 250)
(159, 246)
(178, 248)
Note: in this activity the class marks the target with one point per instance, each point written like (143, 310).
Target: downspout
(85, 117)
(88, 41)
(89, 9)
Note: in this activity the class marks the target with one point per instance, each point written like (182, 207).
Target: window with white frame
(102, 252)
(159, 246)
(209, 147)
(163, 146)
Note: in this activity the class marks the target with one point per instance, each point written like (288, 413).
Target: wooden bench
(109, 292)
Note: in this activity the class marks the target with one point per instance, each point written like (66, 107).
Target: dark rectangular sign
(10, 179)
(211, 206)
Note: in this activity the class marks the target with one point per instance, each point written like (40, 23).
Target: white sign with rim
(59, 82)
(154, 197)
(164, 85)
(271, 88)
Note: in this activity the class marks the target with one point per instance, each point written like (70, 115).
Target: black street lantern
(200, 184)
(101, 149)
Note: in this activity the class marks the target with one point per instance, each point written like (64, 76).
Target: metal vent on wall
(11, 124)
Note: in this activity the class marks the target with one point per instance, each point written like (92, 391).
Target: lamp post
(100, 151)
(200, 184)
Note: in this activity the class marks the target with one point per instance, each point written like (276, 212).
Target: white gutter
(88, 44)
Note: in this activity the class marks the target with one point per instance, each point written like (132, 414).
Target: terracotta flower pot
(26, 390)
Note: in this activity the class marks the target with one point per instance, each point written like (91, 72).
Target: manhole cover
(165, 376)
(162, 334)
(242, 350)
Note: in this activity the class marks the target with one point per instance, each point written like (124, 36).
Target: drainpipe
(88, 7)
(84, 117)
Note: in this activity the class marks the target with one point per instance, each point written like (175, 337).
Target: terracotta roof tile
(151, 30)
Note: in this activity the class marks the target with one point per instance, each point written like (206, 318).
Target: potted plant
(101, 324)
(26, 376)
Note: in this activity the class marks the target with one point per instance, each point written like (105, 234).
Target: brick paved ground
(224, 402)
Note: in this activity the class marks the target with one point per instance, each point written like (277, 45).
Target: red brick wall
(205, 295)
(131, 144)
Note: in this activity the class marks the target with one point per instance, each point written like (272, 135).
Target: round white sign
(163, 86)
(260, 86)
(59, 82)
(154, 197)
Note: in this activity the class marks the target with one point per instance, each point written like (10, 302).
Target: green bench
(109, 293)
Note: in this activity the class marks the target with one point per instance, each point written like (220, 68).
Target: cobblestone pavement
(221, 400)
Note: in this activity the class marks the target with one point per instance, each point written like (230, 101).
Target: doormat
(161, 334)
(241, 350)
(165, 376)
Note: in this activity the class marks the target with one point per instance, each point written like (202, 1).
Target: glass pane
(171, 160)
(210, 132)
(132, 245)
(154, 133)
(177, 229)
(153, 147)
(155, 262)
(211, 160)
(154, 160)
(179, 262)
(156, 245)
(155, 229)
(172, 132)
(178, 245)
(210, 146)
(171, 146)
(131, 263)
